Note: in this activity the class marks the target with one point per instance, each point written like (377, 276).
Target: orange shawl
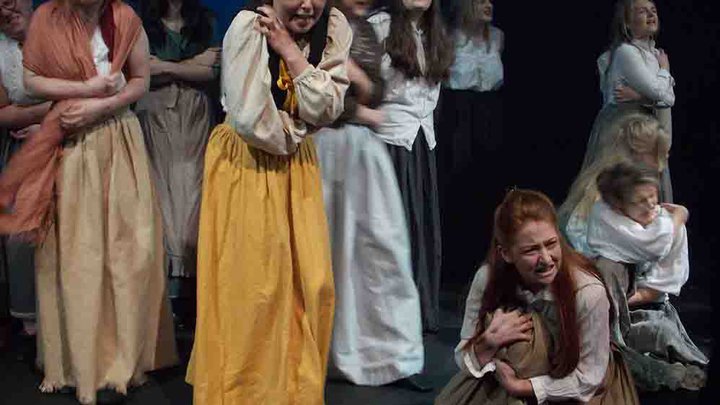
(57, 46)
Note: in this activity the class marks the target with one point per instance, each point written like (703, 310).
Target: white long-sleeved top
(476, 67)
(592, 308)
(11, 72)
(635, 65)
(246, 86)
(659, 249)
(408, 104)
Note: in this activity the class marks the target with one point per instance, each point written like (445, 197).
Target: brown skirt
(176, 122)
(531, 359)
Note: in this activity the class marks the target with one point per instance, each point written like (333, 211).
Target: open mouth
(543, 269)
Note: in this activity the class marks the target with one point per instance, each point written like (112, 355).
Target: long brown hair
(519, 207)
(400, 43)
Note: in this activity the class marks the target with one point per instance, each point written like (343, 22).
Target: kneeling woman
(265, 287)
(629, 227)
(543, 322)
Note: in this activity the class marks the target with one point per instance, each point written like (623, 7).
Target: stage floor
(18, 382)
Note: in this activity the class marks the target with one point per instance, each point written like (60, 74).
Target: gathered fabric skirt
(531, 359)
(104, 316)
(416, 171)
(658, 349)
(176, 121)
(470, 155)
(18, 257)
(265, 285)
(606, 126)
(377, 337)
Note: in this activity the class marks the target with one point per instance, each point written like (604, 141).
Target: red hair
(518, 208)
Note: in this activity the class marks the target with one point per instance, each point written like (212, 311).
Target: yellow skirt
(265, 287)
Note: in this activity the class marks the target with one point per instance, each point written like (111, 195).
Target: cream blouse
(246, 86)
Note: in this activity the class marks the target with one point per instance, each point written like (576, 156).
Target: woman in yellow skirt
(265, 288)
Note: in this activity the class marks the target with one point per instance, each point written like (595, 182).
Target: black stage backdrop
(552, 95)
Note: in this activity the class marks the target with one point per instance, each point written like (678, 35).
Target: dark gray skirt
(655, 344)
(417, 178)
(18, 260)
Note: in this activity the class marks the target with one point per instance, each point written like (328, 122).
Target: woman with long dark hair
(470, 128)
(265, 285)
(418, 55)
(542, 323)
(177, 115)
(380, 343)
(634, 78)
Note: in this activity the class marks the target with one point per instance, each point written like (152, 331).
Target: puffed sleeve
(656, 86)
(321, 90)
(671, 273)
(246, 86)
(465, 358)
(582, 383)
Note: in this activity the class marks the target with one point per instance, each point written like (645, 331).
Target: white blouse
(476, 67)
(408, 104)
(11, 72)
(592, 308)
(660, 251)
(636, 65)
(246, 86)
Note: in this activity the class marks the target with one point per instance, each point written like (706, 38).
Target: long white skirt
(377, 337)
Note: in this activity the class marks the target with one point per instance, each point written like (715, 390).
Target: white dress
(377, 335)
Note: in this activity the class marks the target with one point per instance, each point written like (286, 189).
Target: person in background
(470, 129)
(417, 56)
(20, 116)
(634, 78)
(177, 115)
(636, 138)
(265, 284)
(630, 233)
(380, 343)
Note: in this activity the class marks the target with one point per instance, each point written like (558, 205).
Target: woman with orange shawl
(103, 313)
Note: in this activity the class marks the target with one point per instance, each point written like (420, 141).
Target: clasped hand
(277, 35)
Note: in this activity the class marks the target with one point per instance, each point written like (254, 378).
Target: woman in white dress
(634, 77)
(649, 241)
(377, 335)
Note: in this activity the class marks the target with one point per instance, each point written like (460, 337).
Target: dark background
(552, 96)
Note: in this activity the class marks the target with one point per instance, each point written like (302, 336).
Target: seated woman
(629, 227)
(542, 323)
(639, 137)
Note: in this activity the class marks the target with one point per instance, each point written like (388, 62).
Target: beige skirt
(104, 316)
